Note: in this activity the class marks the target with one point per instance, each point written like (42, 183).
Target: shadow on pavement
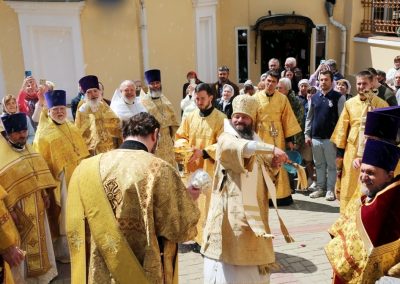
(293, 264)
(311, 206)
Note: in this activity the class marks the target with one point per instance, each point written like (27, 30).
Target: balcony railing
(381, 17)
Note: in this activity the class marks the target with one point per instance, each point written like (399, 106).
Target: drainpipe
(329, 9)
(143, 33)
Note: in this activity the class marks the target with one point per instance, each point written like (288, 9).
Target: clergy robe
(162, 109)
(63, 147)
(134, 210)
(366, 238)
(100, 130)
(237, 230)
(346, 136)
(25, 176)
(276, 111)
(202, 132)
(9, 236)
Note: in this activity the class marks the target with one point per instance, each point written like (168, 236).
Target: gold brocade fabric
(276, 110)
(8, 232)
(228, 237)
(163, 111)
(149, 202)
(346, 136)
(101, 129)
(62, 146)
(24, 175)
(202, 133)
(353, 257)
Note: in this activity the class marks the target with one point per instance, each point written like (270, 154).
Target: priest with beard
(27, 180)
(158, 105)
(62, 146)
(365, 241)
(237, 243)
(125, 102)
(98, 124)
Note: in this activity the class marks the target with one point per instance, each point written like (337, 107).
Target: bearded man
(125, 102)
(99, 125)
(348, 135)
(137, 210)
(366, 240)
(26, 178)
(199, 131)
(237, 243)
(161, 108)
(62, 146)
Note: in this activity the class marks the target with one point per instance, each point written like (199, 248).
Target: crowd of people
(105, 192)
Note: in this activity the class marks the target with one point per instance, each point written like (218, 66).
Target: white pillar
(52, 42)
(206, 38)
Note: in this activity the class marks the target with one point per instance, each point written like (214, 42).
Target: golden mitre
(246, 105)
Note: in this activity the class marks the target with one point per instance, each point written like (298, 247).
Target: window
(320, 44)
(381, 17)
(242, 35)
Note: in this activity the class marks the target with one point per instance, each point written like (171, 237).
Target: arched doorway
(284, 35)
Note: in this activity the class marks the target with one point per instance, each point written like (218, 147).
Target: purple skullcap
(381, 154)
(89, 82)
(153, 75)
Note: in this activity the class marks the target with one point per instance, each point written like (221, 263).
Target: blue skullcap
(56, 98)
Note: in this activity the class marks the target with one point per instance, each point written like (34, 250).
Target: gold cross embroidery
(111, 244)
(75, 240)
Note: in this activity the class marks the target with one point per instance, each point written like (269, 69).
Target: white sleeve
(250, 149)
(37, 112)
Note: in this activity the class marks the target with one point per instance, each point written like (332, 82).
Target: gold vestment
(62, 147)
(24, 175)
(8, 235)
(276, 112)
(351, 252)
(202, 133)
(150, 207)
(346, 136)
(228, 235)
(162, 109)
(101, 130)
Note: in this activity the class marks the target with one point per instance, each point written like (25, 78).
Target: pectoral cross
(273, 132)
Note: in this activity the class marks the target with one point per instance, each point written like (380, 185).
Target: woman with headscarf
(10, 106)
(224, 103)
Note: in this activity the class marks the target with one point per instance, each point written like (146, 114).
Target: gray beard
(129, 101)
(94, 104)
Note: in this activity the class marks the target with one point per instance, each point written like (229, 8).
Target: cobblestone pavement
(303, 261)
